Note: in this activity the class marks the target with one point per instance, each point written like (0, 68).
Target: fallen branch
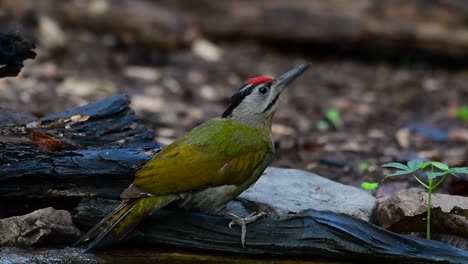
(89, 151)
(308, 234)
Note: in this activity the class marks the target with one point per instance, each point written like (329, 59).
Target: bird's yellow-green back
(218, 152)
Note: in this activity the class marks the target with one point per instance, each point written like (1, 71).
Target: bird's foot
(243, 221)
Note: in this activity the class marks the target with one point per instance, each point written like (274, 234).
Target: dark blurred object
(10, 117)
(432, 30)
(14, 49)
(459, 186)
(432, 133)
(333, 161)
(400, 31)
(136, 22)
(406, 155)
(386, 21)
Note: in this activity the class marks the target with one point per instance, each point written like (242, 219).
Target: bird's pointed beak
(282, 82)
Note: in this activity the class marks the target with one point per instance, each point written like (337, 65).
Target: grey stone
(51, 34)
(26, 230)
(282, 192)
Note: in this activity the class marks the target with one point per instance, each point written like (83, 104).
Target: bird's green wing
(219, 152)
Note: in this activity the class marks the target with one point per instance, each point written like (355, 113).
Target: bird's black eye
(263, 90)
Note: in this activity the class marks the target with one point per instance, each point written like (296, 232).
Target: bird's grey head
(256, 101)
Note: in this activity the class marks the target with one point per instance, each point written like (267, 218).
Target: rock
(51, 35)
(47, 223)
(406, 210)
(282, 192)
(403, 137)
(388, 188)
(80, 90)
(143, 73)
(207, 50)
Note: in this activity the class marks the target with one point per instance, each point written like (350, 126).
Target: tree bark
(308, 234)
(89, 151)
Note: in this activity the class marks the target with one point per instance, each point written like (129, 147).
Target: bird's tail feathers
(116, 225)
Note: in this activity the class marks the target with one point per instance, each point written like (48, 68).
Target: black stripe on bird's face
(272, 103)
(237, 98)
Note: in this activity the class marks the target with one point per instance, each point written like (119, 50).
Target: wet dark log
(308, 234)
(89, 151)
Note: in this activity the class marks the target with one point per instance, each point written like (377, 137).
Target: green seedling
(334, 116)
(363, 165)
(435, 172)
(369, 186)
(462, 112)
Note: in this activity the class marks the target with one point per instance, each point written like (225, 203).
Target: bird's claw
(243, 221)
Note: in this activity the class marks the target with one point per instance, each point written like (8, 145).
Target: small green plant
(334, 116)
(369, 186)
(435, 172)
(462, 112)
(332, 120)
(363, 165)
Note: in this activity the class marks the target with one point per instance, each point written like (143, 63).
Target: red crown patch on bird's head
(259, 79)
